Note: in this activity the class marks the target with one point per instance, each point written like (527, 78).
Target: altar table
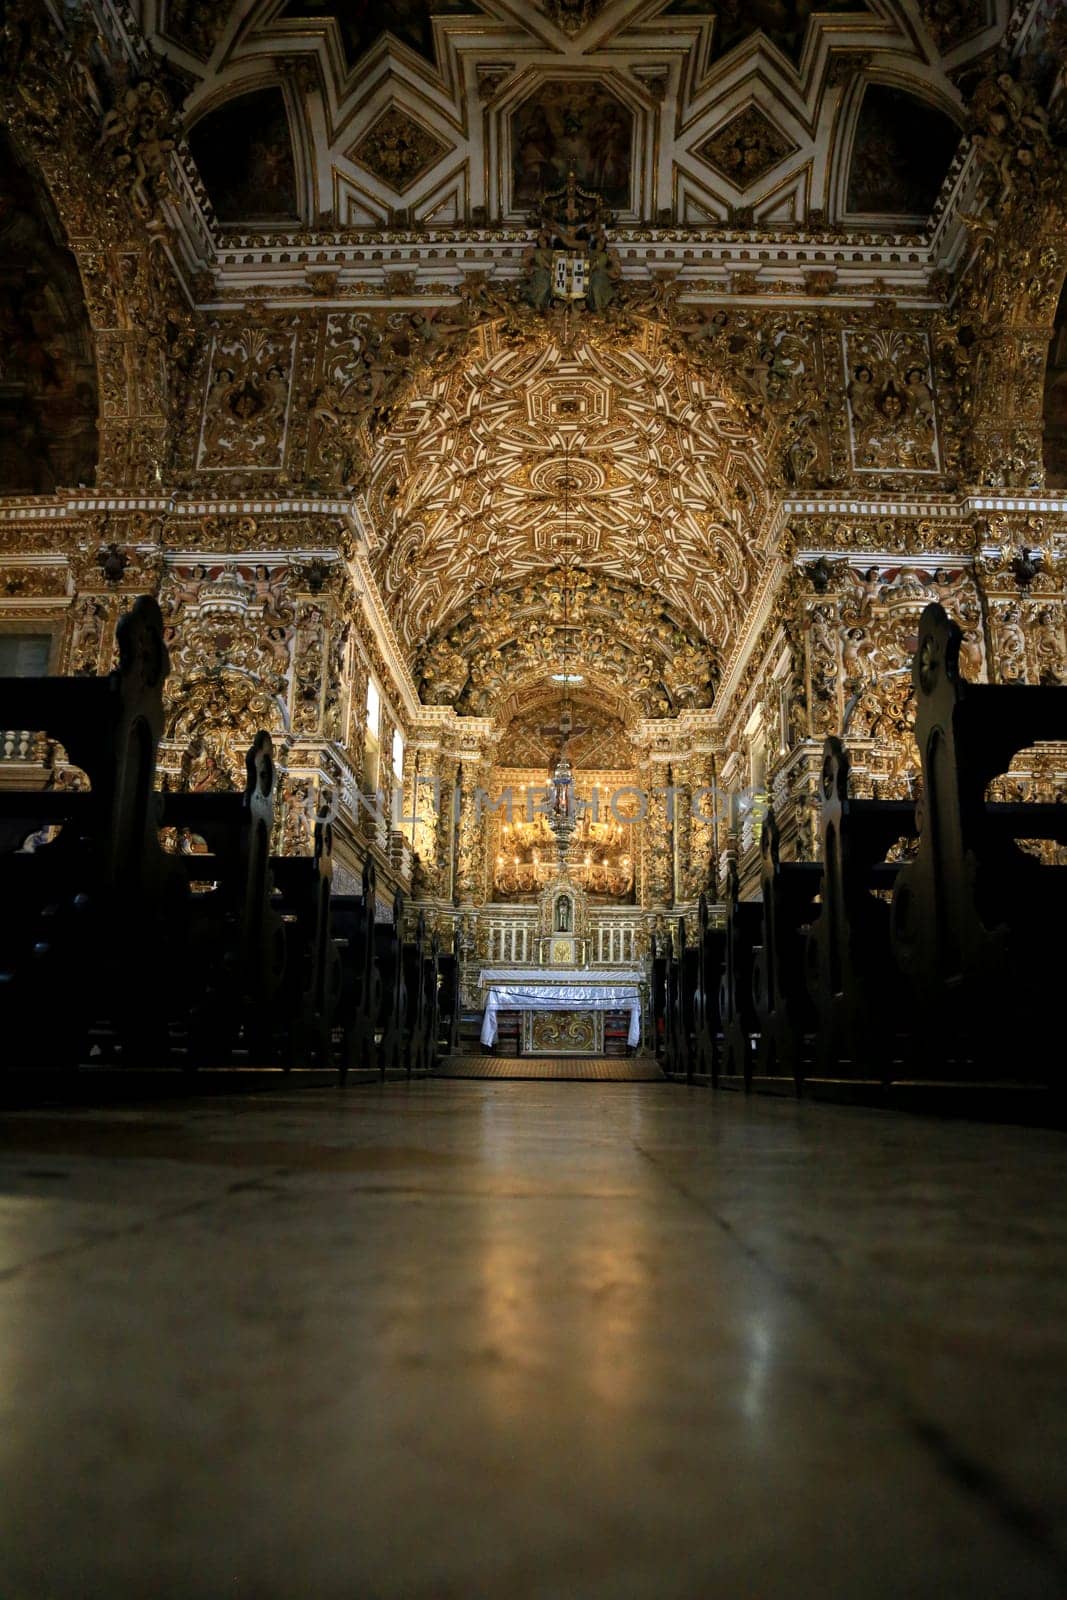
(576, 995)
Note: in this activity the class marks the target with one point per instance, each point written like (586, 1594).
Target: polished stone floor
(532, 1341)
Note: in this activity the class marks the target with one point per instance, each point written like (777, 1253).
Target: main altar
(561, 1001)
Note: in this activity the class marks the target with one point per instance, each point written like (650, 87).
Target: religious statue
(539, 263)
(563, 915)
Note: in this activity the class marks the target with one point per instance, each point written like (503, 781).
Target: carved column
(679, 815)
(425, 799)
(658, 851)
(469, 851)
(700, 877)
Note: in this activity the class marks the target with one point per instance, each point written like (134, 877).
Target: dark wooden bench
(785, 1017)
(352, 920)
(711, 948)
(230, 952)
(80, 926)
(658, 996)
(674, 1042)
(432, 1003)
(311, 990)
(737, 1012)
(860, 1025)
(389, 1028)
(448, 1008)
(416, 1020)
(976, 925)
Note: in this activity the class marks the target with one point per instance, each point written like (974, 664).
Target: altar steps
(565, 1069)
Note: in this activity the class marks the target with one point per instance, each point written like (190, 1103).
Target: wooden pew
(971, 928)
(860, 1029)
(737, 1012)
(431, 979)
(360, 999)
(79, 927)
(389, 1028)
(311, 990)
(448, 1011)
(230, 955)
(711, 947)
(690, 996)
(785, 1017)
(674, 1053)
(658, 997)
(415, 1022)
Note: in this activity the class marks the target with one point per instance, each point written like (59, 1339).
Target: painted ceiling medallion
(746, 148)
(397, 149)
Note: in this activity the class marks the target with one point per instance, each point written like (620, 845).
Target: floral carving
(890, 400)
(397, 149)
(246, 405)
(746, 147)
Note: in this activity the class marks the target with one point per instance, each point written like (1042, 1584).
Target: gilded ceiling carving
(890, 400)
(1055, 402)
(954, 22)
(489, 108)
(397, 149)
(616, 458)
(568, 622)
(247, 400)
(746, 147)
(572, 16)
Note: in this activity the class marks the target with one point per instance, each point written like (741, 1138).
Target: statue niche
(563, 924)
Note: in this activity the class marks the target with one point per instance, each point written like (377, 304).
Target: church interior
(533, 799)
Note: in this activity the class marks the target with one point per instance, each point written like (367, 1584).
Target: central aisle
(462, 1340)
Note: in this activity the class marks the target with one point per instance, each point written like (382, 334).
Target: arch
(624, 640)
(900, 150)
(244, 153)
(49, 403)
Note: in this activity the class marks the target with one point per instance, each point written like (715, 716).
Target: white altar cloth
(562, 997)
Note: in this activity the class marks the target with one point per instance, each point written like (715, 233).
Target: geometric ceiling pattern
(460, 110)
(608, 457)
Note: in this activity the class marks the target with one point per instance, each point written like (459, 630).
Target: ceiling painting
(245, 156)
(571, 127)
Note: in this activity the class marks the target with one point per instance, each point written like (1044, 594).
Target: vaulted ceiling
(607, 458)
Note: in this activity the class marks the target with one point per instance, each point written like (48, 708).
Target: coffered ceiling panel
(694, 110)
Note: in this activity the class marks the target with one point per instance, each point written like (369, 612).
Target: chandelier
(561, 805)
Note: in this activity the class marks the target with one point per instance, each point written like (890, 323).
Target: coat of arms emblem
(569, 275)
(571, 260)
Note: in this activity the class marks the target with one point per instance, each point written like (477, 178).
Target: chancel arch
(49, 402)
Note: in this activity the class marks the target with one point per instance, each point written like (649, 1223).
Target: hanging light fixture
(562, 810)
